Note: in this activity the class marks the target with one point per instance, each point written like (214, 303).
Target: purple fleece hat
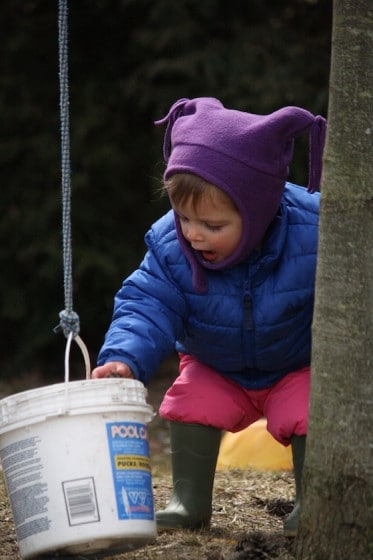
(245, 155)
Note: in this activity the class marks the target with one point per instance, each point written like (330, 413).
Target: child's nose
(193, 233)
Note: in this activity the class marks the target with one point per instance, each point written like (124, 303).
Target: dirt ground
(248, 510)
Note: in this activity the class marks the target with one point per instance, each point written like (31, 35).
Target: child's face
(213, 226)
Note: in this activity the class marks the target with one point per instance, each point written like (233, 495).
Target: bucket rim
(71, 398)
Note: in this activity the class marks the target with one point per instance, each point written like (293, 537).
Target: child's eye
(213, 228)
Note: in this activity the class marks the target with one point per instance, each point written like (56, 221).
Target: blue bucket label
(130, 462)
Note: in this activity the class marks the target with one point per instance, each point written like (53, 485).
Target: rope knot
(69, 323)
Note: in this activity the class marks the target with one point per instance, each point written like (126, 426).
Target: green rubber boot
(298, 447)
(194, 454)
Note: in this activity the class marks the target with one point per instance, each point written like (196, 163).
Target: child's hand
(112, 369)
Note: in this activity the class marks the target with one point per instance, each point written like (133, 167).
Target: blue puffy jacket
(254, 322)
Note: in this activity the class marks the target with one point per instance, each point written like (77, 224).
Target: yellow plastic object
(254, 448)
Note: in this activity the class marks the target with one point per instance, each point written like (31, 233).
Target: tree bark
(337, 508)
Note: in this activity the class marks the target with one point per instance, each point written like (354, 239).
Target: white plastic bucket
(76, 465)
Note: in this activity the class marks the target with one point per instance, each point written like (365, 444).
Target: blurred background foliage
(129, 60)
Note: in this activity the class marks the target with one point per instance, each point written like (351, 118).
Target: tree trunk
(337, 508)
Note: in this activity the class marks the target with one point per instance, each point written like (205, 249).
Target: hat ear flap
(317, 142)
(181, 108)
(290, 122)
(173, 114)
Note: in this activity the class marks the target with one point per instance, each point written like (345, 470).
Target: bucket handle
(87, 363)
(85, 353)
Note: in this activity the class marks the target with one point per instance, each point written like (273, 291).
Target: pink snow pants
(200, 395)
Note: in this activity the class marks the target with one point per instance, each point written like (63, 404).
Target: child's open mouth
(208, 256)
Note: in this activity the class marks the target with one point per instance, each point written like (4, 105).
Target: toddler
(227, 281)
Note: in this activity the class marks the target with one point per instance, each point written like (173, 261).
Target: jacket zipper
(248, 308)
(249, 327)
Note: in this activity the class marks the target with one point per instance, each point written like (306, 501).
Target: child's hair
(183, 187)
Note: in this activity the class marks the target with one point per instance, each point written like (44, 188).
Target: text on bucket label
(28, 492)
(130, 462)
